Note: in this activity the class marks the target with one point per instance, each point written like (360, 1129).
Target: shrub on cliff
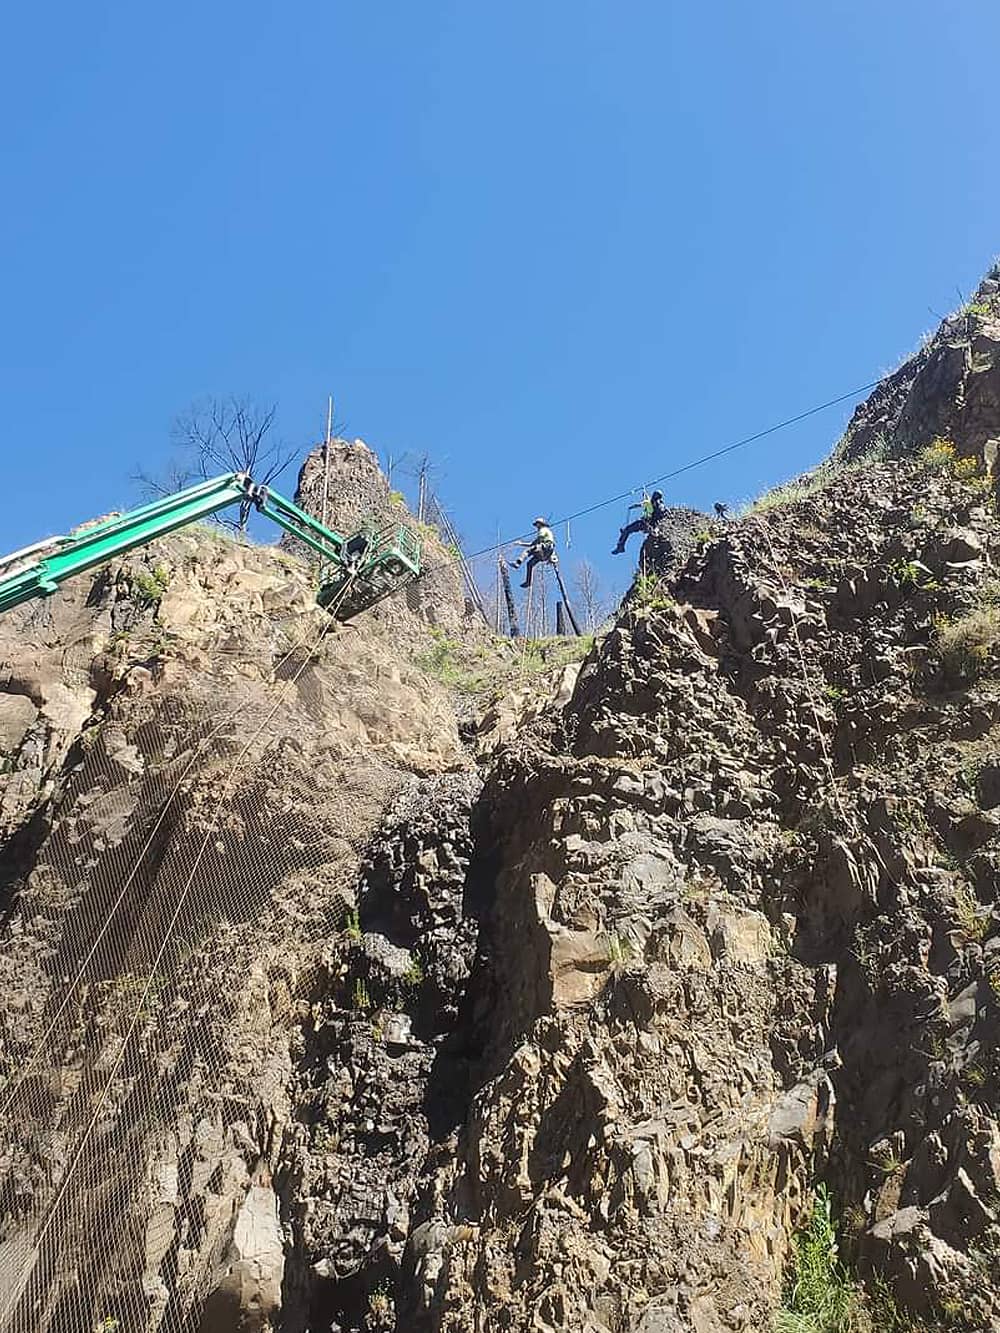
(967, 644)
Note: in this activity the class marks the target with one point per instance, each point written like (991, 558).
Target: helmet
(540, 522)
(657, 495)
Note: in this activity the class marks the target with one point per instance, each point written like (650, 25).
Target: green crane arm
(356, 572)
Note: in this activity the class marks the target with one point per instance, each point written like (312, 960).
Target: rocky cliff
(316, 1019)
(949, 389)
(345, 483)
(194, 758)
(736, 904)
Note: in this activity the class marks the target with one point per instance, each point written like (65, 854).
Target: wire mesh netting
(185, 868)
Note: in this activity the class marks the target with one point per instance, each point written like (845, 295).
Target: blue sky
(560, 245)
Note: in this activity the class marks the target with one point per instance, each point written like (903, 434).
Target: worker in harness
(541, 548)
(653, 509)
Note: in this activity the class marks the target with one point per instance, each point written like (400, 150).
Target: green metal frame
(390, 559)
(357, 572)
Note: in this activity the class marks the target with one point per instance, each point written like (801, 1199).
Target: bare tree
(175, 476)
(423, 471)
(590, 596)
(234, 435)
(392, 462)
(223, 435)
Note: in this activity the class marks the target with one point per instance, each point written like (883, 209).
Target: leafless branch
(233, 435)
(176, 476)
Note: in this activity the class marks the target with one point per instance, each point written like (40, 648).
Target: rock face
(315, 1019)
(670, 543)
(388, 992)
(950, 389)
(194, 758)
(351, 489)
(738, 935)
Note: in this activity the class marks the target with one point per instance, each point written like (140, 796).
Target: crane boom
(355, 573)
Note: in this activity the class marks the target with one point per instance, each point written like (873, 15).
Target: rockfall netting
(189, 858)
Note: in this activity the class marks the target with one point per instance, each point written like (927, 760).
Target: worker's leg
(533, 560)
(640, 525)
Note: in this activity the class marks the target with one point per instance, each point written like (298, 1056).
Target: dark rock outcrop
(387, 992)
(670, 542)
(950, 389)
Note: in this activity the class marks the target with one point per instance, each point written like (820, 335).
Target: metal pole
(444, 522)
(569, 609)
(515, 629)
(326, 458)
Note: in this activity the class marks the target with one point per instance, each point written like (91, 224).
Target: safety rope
(676, 472)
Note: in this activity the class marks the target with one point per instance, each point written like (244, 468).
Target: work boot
(525, 584)
(618, 550)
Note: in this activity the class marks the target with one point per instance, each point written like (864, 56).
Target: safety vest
(544, 537)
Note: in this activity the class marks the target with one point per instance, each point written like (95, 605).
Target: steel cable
(675, 472)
